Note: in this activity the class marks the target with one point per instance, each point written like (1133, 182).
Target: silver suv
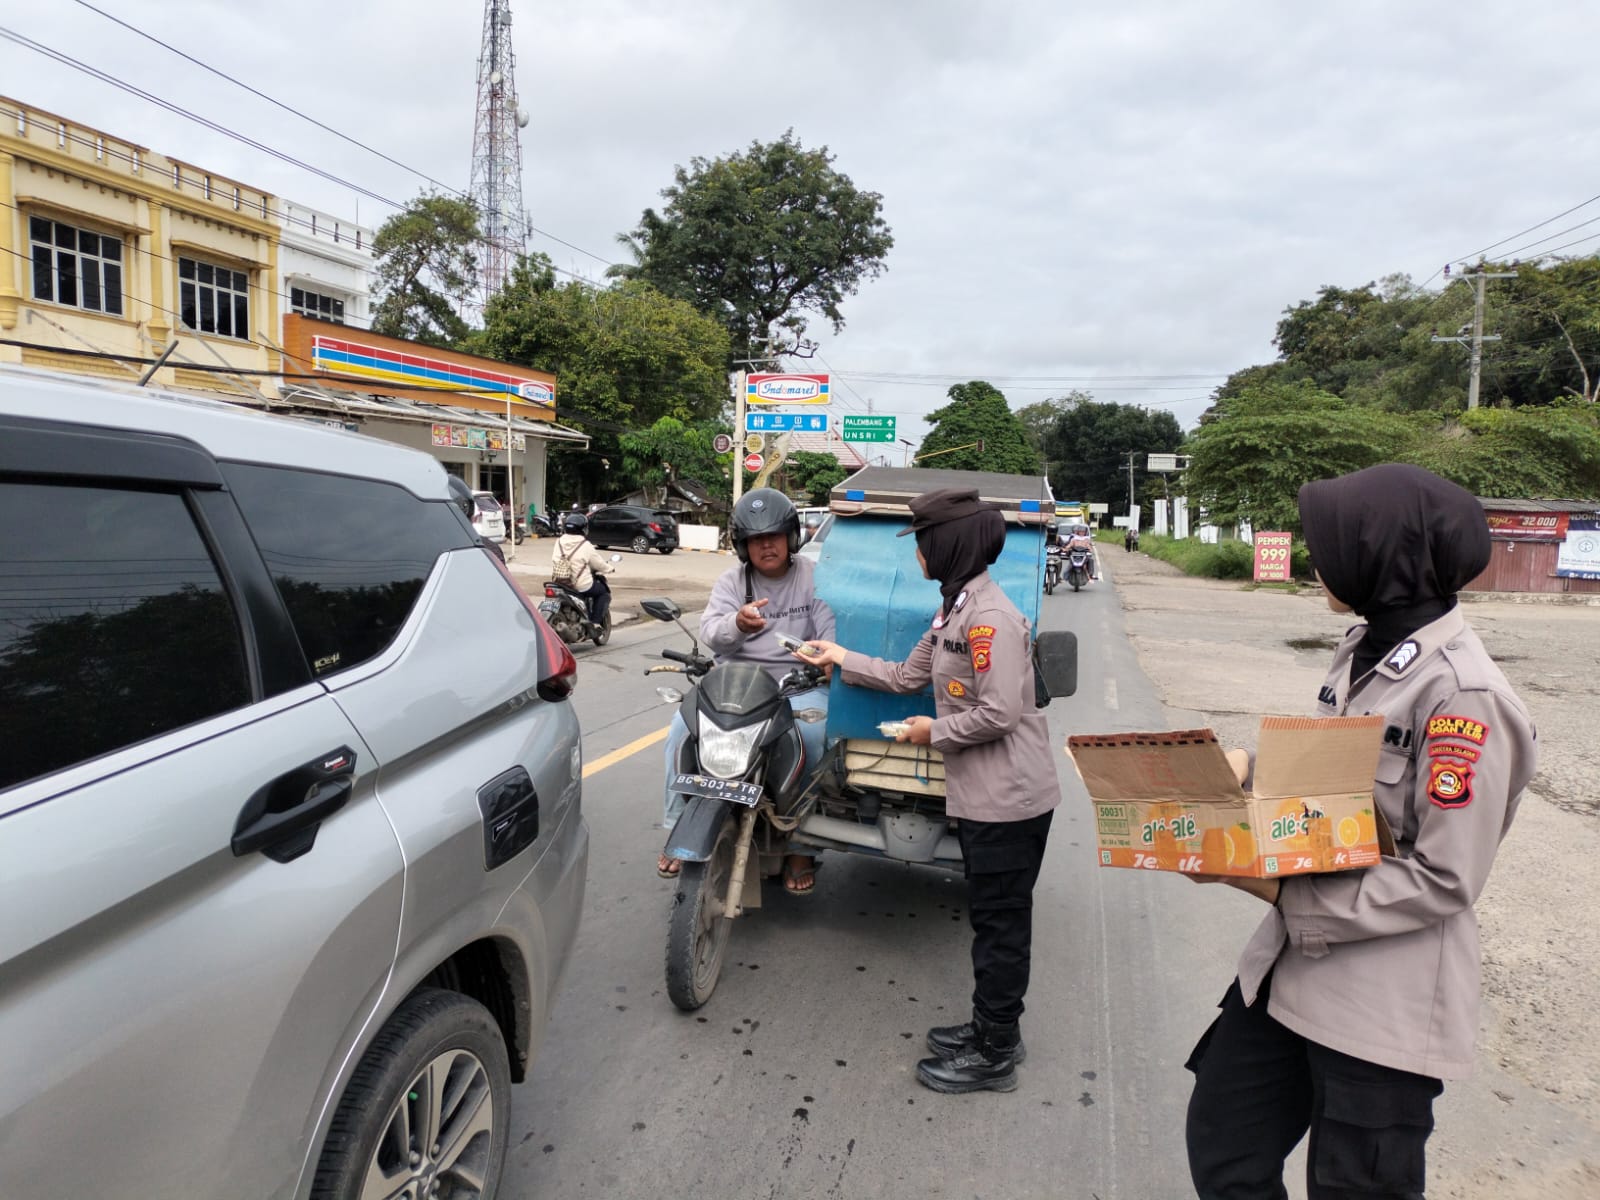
(292, 849)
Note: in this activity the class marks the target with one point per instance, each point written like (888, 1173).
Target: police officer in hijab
(1358, 995)
(1000, 774)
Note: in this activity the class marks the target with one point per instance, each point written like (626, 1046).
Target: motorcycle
(564, 608)
(741, 768)
(1077, 568)
(1052, 569)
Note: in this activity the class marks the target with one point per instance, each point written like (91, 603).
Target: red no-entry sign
(754, 462)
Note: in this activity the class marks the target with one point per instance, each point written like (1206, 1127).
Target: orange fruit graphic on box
(1241, 845)
(1349, 831)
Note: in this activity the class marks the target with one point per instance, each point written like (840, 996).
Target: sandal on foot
(800, 880)
(668, 868)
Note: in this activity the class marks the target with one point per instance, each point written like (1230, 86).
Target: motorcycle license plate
(736, 791)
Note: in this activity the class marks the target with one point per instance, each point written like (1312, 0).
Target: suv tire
(438, 1044)
(640, 545)
(668, 549)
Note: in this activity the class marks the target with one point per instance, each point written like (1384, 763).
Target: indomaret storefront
(489, 423)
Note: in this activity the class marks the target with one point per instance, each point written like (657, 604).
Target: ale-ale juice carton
(1172, 802)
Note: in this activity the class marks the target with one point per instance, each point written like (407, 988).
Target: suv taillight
(655, 527)
(558, 669)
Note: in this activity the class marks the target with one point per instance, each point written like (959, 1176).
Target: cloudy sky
(1115, 195)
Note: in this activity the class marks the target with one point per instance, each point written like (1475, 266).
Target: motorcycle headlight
(726, 753)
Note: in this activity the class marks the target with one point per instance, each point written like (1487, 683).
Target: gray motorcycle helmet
(574, 522)
(764, 510)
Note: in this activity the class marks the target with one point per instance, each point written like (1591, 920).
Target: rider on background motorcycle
(585, 563)
(769, 590)
(1080, 540)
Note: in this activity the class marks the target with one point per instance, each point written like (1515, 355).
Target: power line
(225, 131)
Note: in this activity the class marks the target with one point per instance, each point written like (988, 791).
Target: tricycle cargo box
(1171, 801)
(882, 604)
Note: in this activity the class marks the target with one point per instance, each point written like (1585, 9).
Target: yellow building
(116, 261)
(109, 253)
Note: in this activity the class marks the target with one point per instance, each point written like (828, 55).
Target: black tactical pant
(597, 599)
(1258, 1087)
(1002, 861)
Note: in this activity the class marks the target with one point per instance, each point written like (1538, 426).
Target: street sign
(867, 429)
(754, 462)
(754, 442)
(722, 443)
(1163, 463)
(781, 422)
(786, 389)
(1272, 557)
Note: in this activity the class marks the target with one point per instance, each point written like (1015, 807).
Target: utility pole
(1477, 338)
(738, 432)
(1131, 455)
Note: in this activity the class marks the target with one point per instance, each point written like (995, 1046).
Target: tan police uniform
(998, 765)
(1383, 964)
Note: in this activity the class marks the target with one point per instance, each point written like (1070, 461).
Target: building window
(315, 304)
(214, 299)
(76, 267)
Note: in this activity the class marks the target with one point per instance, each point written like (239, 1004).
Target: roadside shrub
(1218, 560)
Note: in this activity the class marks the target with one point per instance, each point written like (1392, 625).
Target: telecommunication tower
(497, 151)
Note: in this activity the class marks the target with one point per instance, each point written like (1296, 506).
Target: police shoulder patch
(1406, 653)
(980, 639)
(1467, 729)
(1450, 783)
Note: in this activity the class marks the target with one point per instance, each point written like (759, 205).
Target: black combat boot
(989, 1064)
(947, 1041)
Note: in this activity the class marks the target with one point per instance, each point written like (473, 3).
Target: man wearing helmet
(580, 564)
(769, 590)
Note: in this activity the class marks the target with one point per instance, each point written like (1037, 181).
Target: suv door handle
(282, 818)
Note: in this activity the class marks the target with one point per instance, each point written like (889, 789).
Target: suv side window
(349, 555)
(114, 625)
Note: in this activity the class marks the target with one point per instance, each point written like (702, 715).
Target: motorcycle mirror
(673, 696)
(616, 558)
(659, 607)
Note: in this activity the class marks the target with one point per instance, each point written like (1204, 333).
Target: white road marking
(1111, 695)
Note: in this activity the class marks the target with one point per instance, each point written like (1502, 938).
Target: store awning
(394, 408)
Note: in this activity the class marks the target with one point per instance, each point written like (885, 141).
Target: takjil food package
(1171, 801)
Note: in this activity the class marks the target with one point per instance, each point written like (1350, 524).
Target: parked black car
(639, 528)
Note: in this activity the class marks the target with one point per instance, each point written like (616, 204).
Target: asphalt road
(797, 1079)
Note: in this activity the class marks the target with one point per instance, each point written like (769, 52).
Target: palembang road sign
(780, 422)
(786, 389)
(867, 429)
(754, 462)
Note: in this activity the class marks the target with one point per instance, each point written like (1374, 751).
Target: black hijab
(959, 550)
(1395, 543)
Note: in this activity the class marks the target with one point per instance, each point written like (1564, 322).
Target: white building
(324, 266)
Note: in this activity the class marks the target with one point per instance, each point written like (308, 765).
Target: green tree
(1039, 418)
(1549, 321)
(426, 262)
(981, 423)
(1088, 449)
(761, 238)
(672, 449)
(624, 357)
(811, 475)
(1249, 463)
(1536, 451)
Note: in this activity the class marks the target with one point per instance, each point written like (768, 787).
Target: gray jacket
(1383, 963)
(997, 759)
(793, 607)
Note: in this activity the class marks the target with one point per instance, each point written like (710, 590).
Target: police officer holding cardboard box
(1000, 774)
(1358, 995)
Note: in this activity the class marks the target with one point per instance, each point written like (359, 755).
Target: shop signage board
(1272, 557)
(472, 437)
(786, 389)
(867, 429)
(780, 422)
(1527, 526)
(1579, 555)
(754, 462)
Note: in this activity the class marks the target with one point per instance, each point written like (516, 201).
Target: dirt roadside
(1224, 654)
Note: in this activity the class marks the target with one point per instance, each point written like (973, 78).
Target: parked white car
(489, 516)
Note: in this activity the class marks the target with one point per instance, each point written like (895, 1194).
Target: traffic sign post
(754, 443)
(780, 422)
(867, 429)
(722, 443)
(754, 463)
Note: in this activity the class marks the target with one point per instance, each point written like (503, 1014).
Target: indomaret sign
(786, 389)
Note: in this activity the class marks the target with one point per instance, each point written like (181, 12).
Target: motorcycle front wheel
(697, 932)
(602, 632)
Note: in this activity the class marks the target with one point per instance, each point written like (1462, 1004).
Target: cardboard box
(1171, 801)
